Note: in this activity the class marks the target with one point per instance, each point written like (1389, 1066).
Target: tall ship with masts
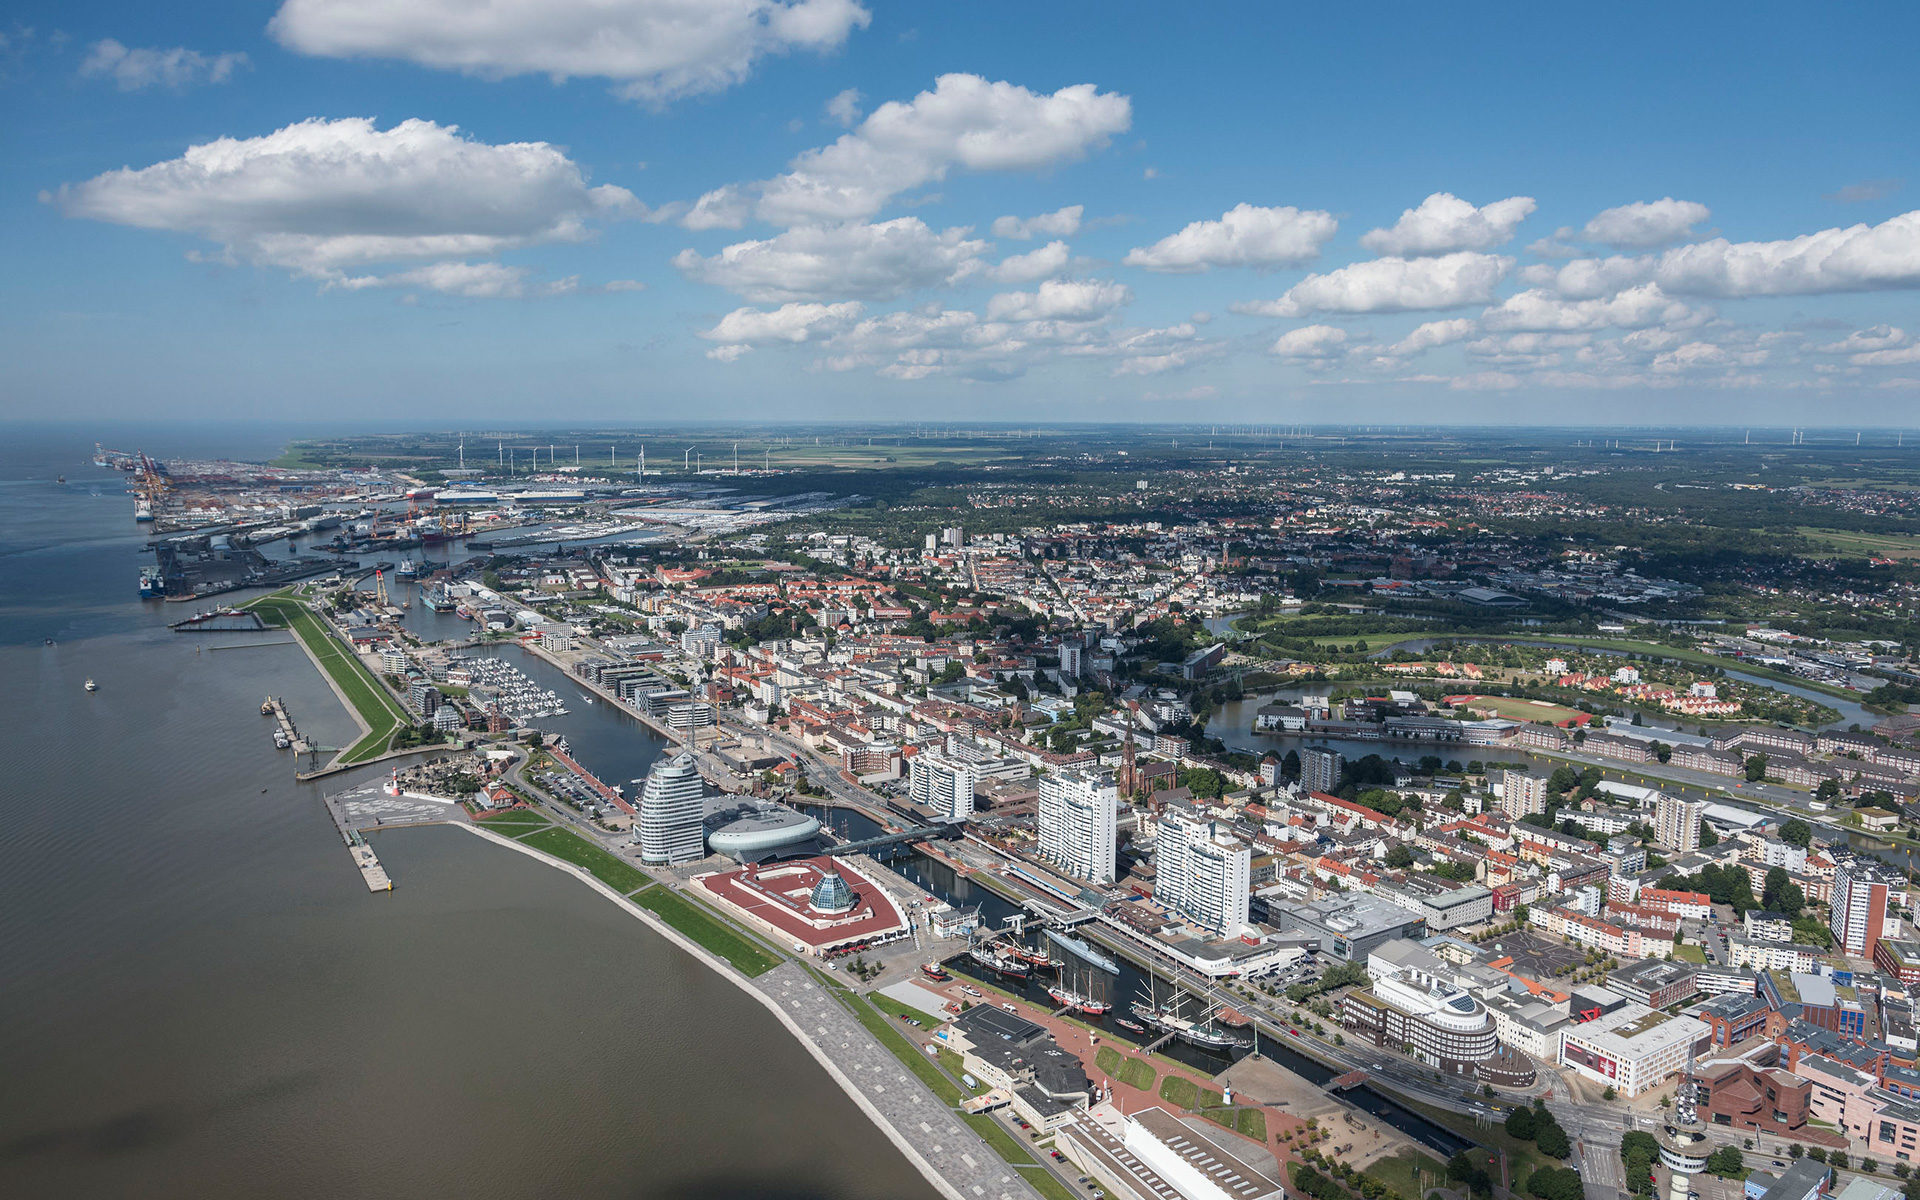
(1221, 1029)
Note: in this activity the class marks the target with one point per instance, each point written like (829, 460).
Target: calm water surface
(198, 997)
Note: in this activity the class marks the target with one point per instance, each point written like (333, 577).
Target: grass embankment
(1206, 1102)
(513, 821)
(381, 712)
(951, 1093)
(568, 846)
(706, 928)
(1131, 1071)
(1403, 1173)
(1523, 1158)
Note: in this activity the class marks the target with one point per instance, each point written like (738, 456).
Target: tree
(1725, 1162)
(1707, 836)
(1829, 788)
(1610, 1094)
(1817, 1153)
(1795, 1150)
(1756, 768)
(1400, 857)
(1290, 766)
(1520, 1124)
(1553, 1141)
(1796, 832)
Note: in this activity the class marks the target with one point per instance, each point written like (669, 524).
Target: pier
(277, 709)
(371, 806)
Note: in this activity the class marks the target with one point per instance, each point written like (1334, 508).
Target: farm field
(1875, 545)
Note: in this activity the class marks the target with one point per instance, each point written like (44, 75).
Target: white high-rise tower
(673, 809)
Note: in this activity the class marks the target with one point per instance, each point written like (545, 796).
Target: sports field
(1513, 708)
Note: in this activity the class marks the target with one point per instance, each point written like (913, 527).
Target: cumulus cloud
(1897, 355)
(1646, 224)
(729, 353)
(792, 323)
(1588, 278)
(321, 197)
(1061, 222)
(845, 107)
(653, 50)
(1636, 308)
(873, 262)
(1444, 224)
(1310, 341)
(722, 208)
(132, 69)
(1878, 337)
(1244, 236)
(965, 121)
(1060, 300)
(1392, 285)
(473, 281)
(1859, 258)
(1046, 261)
(1434, 333)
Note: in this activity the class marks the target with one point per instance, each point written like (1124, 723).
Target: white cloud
(1435, 333)
(1890, 356)
(1859, 258)
(1646, 223)
(1060, 300)
(1444, 224)
(845, 107)
(1589, 278)
(722, 208)
(653, 50)
(1635, 308)
(319, 197)
(965, 121)
(135, 68)
(1310, 341)
(789, 323)
(1062, 222)
(729, 353)
(1696, 356)
(473, 281)
(1860, 341)
(874, 262)
(1046, 261)
(1392, 285)
(1244, 236)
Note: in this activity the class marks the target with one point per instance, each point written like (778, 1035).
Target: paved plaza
(935, 1131)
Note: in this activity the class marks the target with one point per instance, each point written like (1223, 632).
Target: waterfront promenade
(952, 1157)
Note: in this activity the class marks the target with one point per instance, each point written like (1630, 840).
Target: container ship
(142, 509)
(152, 584)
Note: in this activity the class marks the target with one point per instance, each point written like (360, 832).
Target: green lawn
(568, 846)
(1880, 545)
(518, 818)
(1402, 1171)
(903, 1049)
(1133, 1072)
(708, 929)
(1247, 1122)
(1523, 1158)
(1185, 1093)
(1690, 953)
(382, 713)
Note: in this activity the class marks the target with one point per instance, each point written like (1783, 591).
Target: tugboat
(92, 686)
(933, 970)
(1039, 960)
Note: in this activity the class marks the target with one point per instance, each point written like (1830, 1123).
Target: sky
(852, 209)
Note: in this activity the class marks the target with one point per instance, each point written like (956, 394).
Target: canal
(1130, 984)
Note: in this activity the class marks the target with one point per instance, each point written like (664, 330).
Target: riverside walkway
(919, 1121)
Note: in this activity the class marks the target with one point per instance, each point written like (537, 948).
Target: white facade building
(673, 807)
(1200, 873)
(1079, 824)
(1676, 823)
(941, 784)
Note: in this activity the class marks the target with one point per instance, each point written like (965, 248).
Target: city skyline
(849, 211)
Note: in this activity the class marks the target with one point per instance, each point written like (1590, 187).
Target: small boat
(60, 479)
(1130, 1026)
(92, 686)
(971, 991)
(933, 970)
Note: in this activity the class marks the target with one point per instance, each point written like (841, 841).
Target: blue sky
(655, 209)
